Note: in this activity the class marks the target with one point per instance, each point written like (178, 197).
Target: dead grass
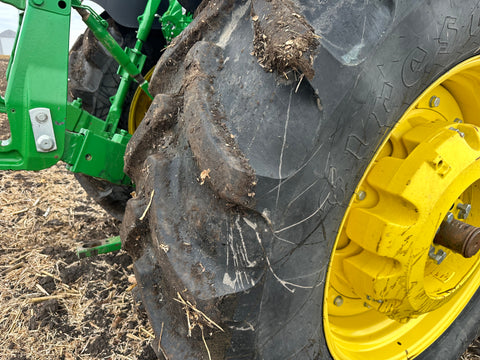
(44, 217)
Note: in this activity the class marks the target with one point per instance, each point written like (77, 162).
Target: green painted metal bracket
(40, 71)
(99, 247)
(174, 21)
(3, 106)
(91, 151)
(19, 4)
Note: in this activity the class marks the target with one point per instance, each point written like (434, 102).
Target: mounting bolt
(338, 301)
(464, 210)
(457, 120)
(449, 217)
(361, 195)
(434, 101)
(41, 117)
(437, 255)
(45, 143)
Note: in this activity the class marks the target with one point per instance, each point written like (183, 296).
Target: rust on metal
(460, 237)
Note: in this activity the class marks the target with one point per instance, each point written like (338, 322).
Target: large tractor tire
(93, 78)
(292, 173)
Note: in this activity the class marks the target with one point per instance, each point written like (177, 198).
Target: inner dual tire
(93, 78)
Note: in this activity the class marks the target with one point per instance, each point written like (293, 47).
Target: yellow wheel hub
(139, 106)
(391, 291)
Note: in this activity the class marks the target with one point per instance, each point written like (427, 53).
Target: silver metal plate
(42, 126)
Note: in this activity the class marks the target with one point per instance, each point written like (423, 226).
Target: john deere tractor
(306, 174)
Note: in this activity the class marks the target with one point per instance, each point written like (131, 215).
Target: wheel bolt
(449, 217)
(464, 210)
(361, 195)
(434, 101)
(338, 301)
(45, 143)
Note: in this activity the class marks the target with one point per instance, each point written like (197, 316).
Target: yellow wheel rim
(139, 106)
(390, 290)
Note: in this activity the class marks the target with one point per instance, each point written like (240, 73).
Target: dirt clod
(99, 346)
(47, 283)
(284, 40)
(147, 354)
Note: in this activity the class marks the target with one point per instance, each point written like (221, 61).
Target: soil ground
(52, 305)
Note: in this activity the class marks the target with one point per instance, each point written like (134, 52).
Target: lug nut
(434, 101)
(338, 301)
(361, 195)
